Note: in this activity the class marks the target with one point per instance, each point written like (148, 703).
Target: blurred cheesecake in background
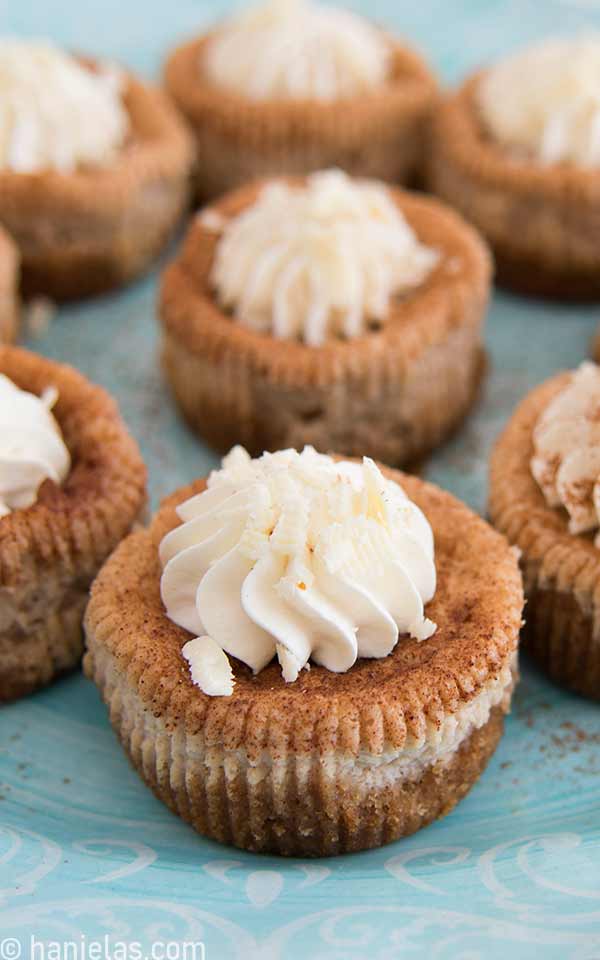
(72, 485)
(94, 169)
(292, 86)
(328, 310)
(517, 150)
(545, 498)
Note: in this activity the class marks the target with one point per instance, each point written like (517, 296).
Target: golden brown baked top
(104, 491)
(377, 703)
(190, 311)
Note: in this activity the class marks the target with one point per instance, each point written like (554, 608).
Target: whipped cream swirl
(319, 260)
(566, 441)
(544, 102)
(31, 446)
(297, 556)
(297, 49)
(55, 114)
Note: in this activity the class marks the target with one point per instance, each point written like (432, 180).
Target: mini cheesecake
(53, 542)
(390, 371)
(543, 474)
(514, 149)
(348, 95)
(362, 748)
(93, 194)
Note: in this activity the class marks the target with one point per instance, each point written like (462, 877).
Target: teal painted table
(87, 852)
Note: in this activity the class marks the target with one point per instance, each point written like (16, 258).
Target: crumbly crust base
(88, 231)
(393, 394)
(51, 551)
(9, 289)
(280, 767)
(541, 222)
(379, 135)
(561, 572)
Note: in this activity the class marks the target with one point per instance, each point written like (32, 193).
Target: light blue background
(85, 848)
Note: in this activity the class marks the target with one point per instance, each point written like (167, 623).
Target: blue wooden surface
(85, 850)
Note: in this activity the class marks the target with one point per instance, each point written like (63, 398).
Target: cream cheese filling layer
(318, 261)
(544, 102)
(363, 773)
(299, 557)
(437, 747)
(297, 49)
(439, 743)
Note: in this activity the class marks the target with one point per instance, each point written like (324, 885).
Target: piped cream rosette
(31, 445)
(298, 556)
(297, 49)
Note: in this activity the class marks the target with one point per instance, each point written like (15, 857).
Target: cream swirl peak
(566, 440)
(298, 556)
(545, 101)
(55, 114)
(31, 446)
(297, 49)
(318, 260)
